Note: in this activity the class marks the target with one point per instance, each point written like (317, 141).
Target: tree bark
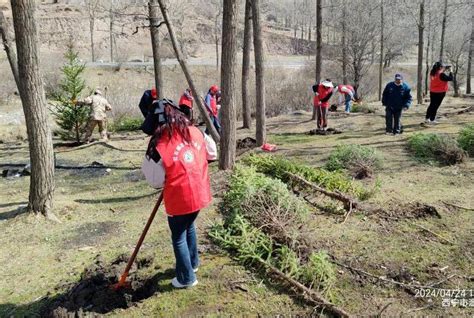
(111, 31)
(246, 113)
(228, 83)
(427, 52)
(443, 30)
(155, 43)
(381, 49)
(216, 38)
(34, 106)
(91, 29)
(469, 57)
(344, 44)
(187, 74)
(319, 40)
(419, 81)
(261, 129)
(5, 32)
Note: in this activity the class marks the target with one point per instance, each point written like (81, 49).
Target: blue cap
(398, 76)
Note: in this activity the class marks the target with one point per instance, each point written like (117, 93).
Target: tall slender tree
(261, 130)
(34, 106)
(5, 32)
(421, 27)
(443, 30)
(319, 40)
(471, 51)
(247, 119)
(155, 44)
(228, 84)
(381, 48)
(344, 41)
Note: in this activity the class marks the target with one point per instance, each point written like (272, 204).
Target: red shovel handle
(124, 276)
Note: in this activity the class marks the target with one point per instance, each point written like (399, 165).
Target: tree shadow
(13, 213)
(6, 205)
(115, 200)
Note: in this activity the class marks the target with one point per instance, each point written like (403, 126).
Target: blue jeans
(183, 235)
(348, 103)
(217, 124)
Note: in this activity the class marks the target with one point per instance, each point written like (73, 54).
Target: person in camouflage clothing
(99, 106)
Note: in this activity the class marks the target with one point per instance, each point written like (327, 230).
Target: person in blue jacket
(396, 97)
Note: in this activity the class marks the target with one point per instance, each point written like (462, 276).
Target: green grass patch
(436, 147)
(290, 138)
(125, 123)
(466, 139)
(279, 168)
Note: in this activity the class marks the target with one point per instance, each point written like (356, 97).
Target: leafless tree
(381, 49)
(471, 50)
(228, 83)
(92, 7)
(34, 106)
(5, 32)
(246, 113)
(443, 30)
(261, 130)
(421, 28)
(155, 43)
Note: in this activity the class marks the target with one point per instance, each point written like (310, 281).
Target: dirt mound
(414, 210)
(246, 143)
(329, 131)
(92, 294)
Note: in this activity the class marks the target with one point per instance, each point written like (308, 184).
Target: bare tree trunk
(319, 40)
(443, 30)
(344, 44)
(228, 83)
(381, 49)
(5, 32)
(187, 74)
(309, 31)
(216, 39)
(261, 130)
(34, 106)
(427, 52)
(111, 31)
(155, 44)
(419, 81)
(471, 50)
(91, 29)
(247, 119)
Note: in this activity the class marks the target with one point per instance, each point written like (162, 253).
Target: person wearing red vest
(347, 95)
(179, 154)
(186, 103)
(213, 107)
(322, 94)
(438, 88)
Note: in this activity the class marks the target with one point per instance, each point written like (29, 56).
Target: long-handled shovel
(122, 283)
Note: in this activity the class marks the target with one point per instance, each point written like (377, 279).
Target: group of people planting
(396, 98)
(178, 152)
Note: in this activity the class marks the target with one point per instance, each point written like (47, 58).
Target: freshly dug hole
(93, 293)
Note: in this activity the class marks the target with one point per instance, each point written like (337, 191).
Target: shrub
(466, 139)
(441, 148)
(124, 123)
(320, 273)
(362, 108)
(359, 160)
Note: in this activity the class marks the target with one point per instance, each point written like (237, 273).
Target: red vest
(349, 87)
(187, 187)
(323, 92)
(184, 100)
(213, 106)
(437, 85)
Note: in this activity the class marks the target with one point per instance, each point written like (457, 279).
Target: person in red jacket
(186, 103)
(438, 88)
(179, 154)
(322, 94)
(213, 106)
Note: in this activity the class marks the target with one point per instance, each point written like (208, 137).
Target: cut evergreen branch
(436, 147)
(360, 161)
(281, 168)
